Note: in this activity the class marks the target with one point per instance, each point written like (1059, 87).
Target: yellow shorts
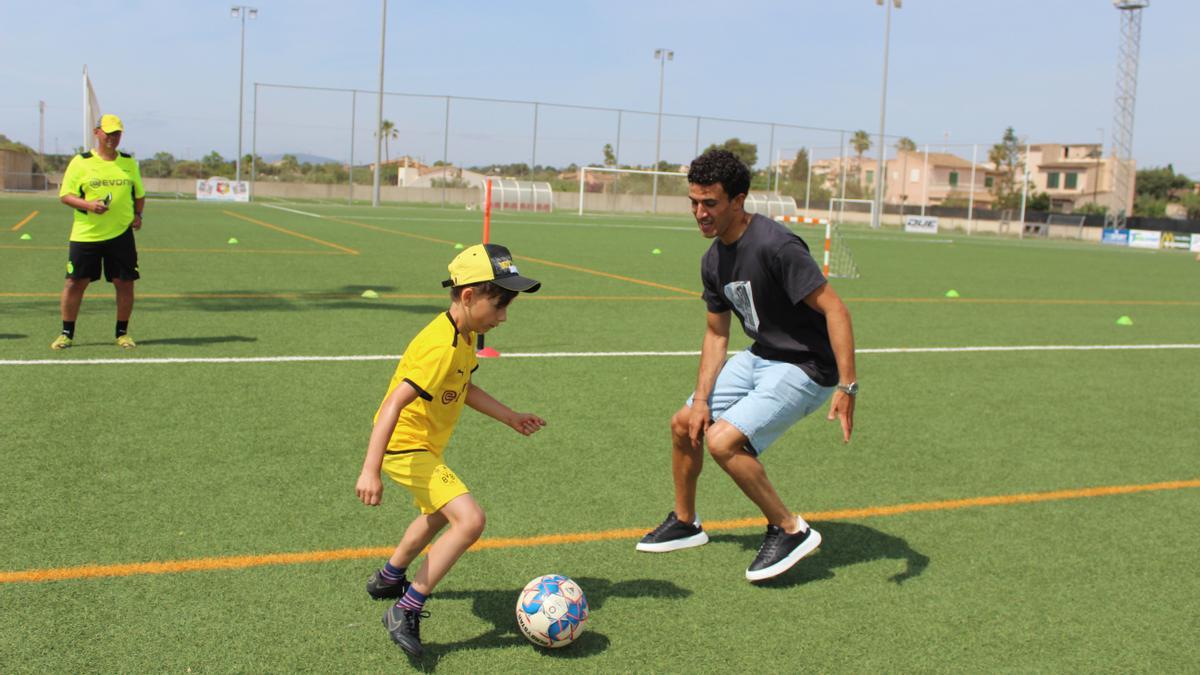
(431, 482)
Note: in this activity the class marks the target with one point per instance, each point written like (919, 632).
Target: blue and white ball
(552, 611)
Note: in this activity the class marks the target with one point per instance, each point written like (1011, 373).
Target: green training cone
(370, 294)
(233, 240)
(458, 247)
(951, 293)
(657, 251)
(1124, 321)
(26, 237)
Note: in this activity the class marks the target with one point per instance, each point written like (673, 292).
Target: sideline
(247, 561)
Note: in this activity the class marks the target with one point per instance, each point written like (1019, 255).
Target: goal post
(836, 260)
(1068, 219)
(621, 181)
(837, 209)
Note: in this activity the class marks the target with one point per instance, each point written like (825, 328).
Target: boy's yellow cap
(488, 262)
(109, 124)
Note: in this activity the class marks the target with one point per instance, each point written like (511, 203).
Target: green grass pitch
(186, 450)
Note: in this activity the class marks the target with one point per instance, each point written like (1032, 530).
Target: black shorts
(118, 255)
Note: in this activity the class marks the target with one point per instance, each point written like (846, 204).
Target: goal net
(603, 189)
(1069, 220)
(521, 195)
(836, 259)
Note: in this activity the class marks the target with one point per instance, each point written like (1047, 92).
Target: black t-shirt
(764, 277)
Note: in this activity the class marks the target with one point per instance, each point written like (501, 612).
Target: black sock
(122, 328)
(69, 329)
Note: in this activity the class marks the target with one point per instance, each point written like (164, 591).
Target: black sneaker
(672, 535)
(780, 550)
(404, 626)
(379, 589)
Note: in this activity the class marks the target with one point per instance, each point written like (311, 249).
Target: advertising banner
(1114, 236)
(921, 224)
(1196, 243)
(222, 190)
(1145, 239)
(1176, 240)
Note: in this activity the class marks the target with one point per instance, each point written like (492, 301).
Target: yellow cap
(109, 124)
(488, 262)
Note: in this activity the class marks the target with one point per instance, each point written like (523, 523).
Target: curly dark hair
(721, 166)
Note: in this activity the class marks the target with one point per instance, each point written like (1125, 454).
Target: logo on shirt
(449, 397)
(741, 296)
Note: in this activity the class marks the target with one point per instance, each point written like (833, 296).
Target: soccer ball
(551, 611)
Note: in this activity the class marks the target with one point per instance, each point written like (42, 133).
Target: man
(104, 187)
(803, 352)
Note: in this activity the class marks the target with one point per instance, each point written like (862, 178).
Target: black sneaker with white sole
(379, 589)
(404, 627)
(672, 535)
(780, 550)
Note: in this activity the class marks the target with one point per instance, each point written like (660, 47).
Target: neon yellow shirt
(438, 363)
(92, 177)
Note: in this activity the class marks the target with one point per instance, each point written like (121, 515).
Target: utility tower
(1127, 74)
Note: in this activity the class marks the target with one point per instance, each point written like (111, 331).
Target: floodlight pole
(379, 109)
(240, 12)
(663, 55)
(879, 169)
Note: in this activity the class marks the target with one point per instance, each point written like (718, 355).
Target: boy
(414, 423)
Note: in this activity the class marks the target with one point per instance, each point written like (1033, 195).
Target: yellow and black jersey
(118, 182)
(437, 363)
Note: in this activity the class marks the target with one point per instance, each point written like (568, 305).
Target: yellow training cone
(1124, 321)
(951, 293)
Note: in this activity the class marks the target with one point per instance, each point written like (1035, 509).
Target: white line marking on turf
(554, 355)
(284, 208)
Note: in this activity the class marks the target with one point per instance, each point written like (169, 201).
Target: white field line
(552, 355)
(284, 208)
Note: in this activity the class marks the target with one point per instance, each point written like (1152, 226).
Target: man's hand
(97, 206)
(526, 423)
(698, 420)
(369, 488)
(137, 221)
(842, 409)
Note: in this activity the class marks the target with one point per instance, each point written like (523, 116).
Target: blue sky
(960, 72)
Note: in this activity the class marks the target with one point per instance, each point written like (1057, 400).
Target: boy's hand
(526, 423)
(369, 488)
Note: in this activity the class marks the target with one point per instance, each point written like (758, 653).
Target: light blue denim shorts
(763, 398)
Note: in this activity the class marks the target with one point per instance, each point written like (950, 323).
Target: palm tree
(388, 129)
(906, 144)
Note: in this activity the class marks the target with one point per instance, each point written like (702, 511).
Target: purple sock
(412, 600)
(392, 574)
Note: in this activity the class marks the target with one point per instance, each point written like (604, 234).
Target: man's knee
(679, 422)
(724, 441)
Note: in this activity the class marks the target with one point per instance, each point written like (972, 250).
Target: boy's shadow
(498, 608)
(842, 544)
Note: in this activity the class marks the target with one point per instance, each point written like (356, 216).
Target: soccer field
(1021, 492)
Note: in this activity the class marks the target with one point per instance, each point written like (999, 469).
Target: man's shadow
(842, 544)
(198, 341)
(498, 607)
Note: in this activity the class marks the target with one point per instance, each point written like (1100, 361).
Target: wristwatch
(849, 389)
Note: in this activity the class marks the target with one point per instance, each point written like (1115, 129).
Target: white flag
(91, 111)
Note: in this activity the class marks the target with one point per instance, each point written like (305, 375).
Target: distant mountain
(302, 158)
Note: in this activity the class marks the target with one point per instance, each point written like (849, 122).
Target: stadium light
(241, 12)
(663, 55)
(877, 212)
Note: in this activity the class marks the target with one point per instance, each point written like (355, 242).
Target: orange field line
(245, 561)
(27, 219)
(573, 268)
(272, 251)
(287, 231)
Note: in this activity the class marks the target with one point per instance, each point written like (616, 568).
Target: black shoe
(404, 626)
(672, 535)
(780, 550)
(379, 589)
